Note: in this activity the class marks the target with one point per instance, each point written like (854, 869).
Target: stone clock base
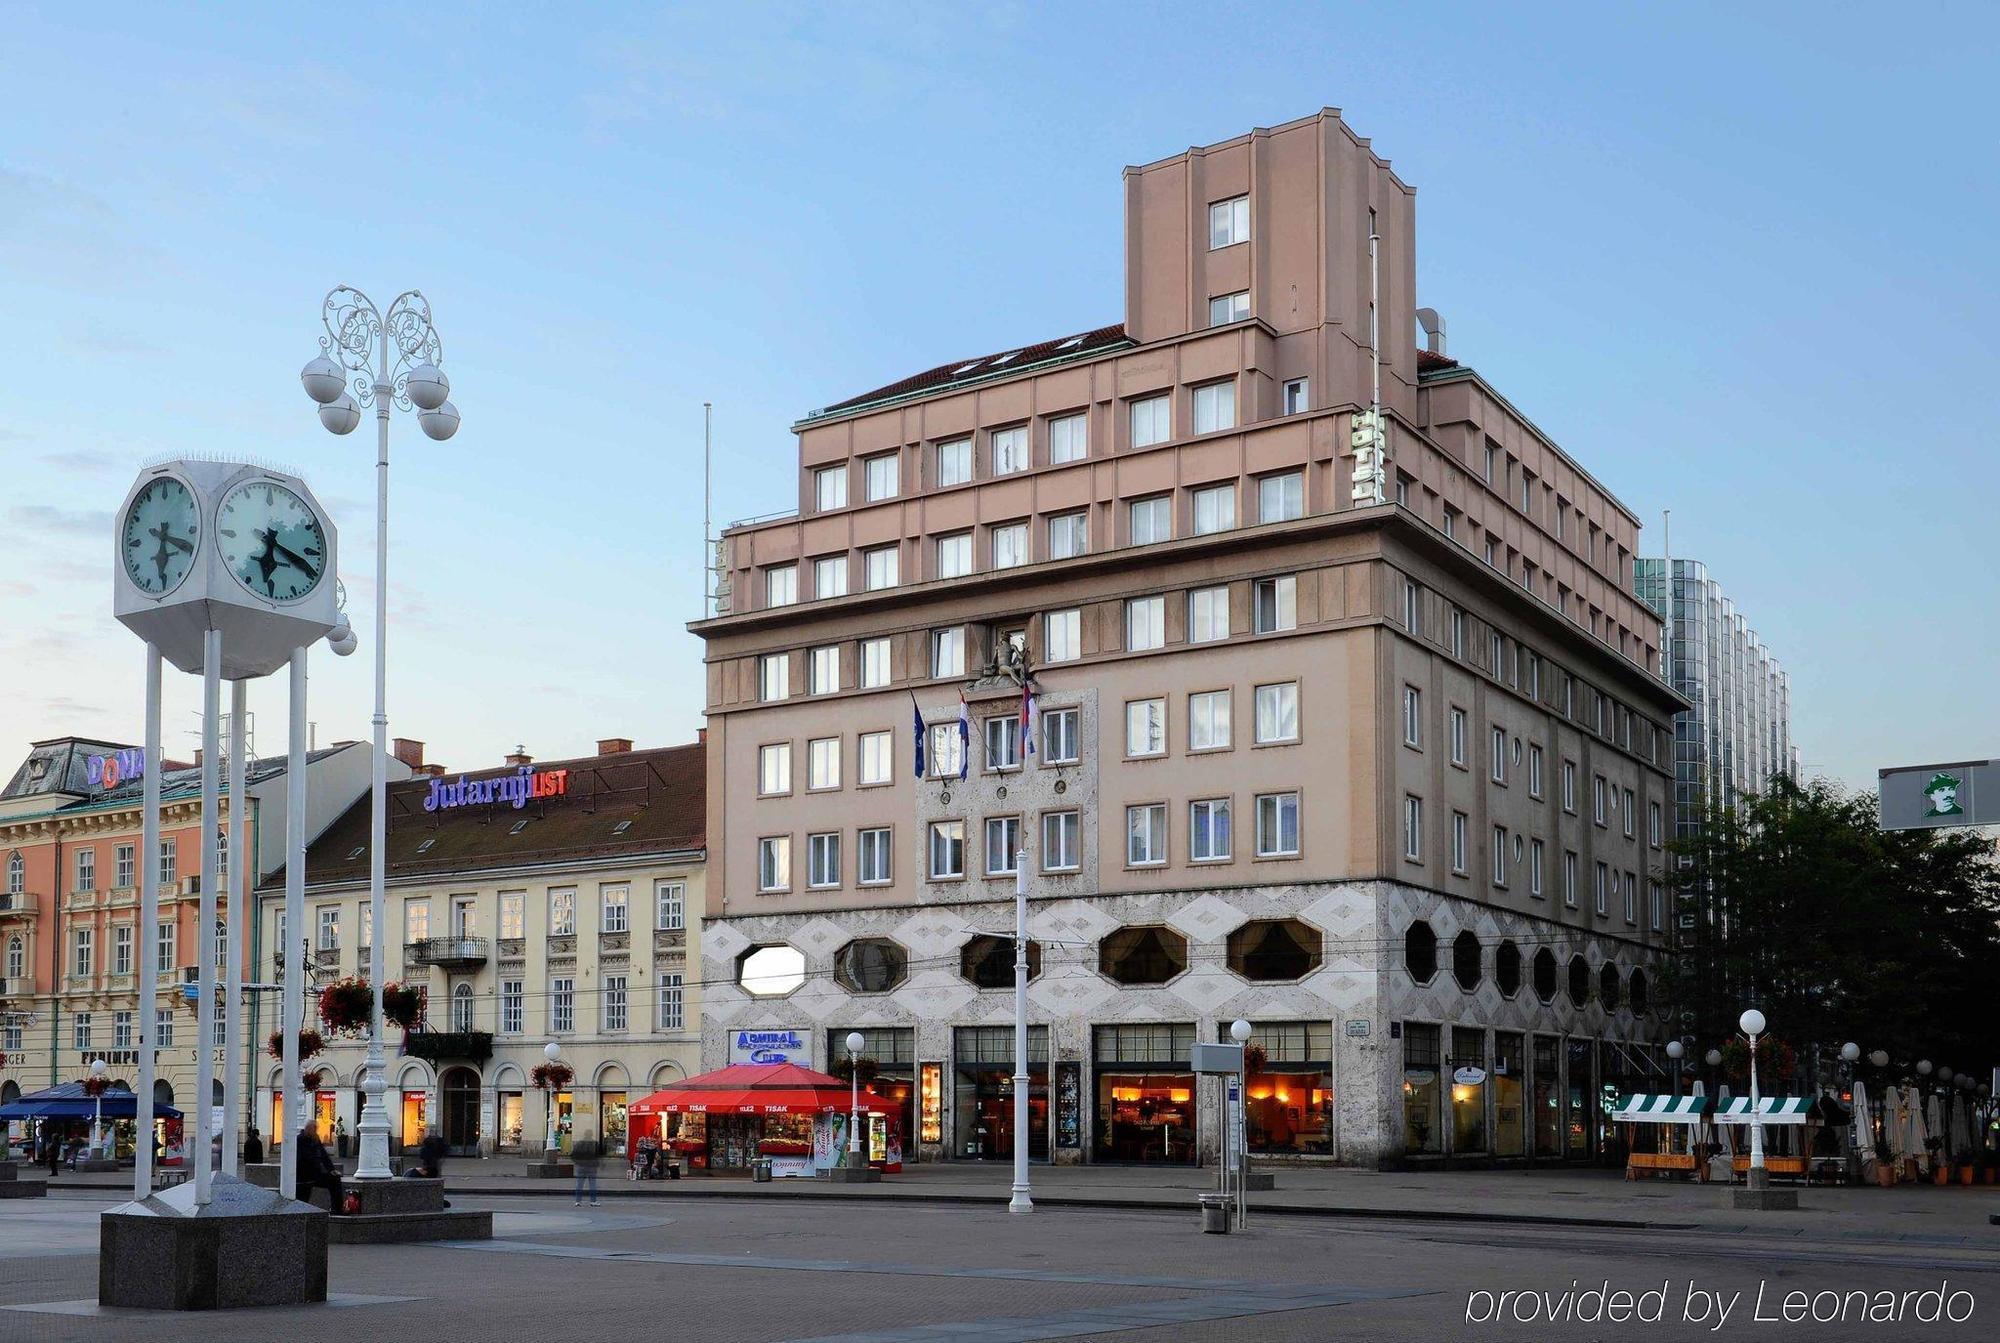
(247, 1247)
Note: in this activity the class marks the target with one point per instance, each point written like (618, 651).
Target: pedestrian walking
(584, 1154)
(253, 1149)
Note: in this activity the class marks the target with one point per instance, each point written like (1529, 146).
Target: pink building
(1386, 779)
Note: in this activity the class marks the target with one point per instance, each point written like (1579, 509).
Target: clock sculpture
(228, 571)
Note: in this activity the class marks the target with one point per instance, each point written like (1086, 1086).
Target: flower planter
(1965, 1175)
(1885, 1175)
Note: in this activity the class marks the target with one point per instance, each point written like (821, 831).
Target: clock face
(157, 542)
(271, 540)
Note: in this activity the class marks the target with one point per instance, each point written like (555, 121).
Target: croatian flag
(917, 732)
(1027, 718)
(964, 735)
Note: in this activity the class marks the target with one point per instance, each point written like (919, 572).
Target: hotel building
(1385, 778)
(539, 901)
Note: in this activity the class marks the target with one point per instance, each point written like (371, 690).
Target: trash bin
(673, 1170)
(1215, 1214)
(760, 1170)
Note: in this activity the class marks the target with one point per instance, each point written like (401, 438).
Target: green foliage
(1838, 930)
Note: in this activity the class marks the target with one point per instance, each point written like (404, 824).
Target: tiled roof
(659, 795)
(999, 363)
(1428, 362)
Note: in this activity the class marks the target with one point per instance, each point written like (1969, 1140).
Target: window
(1492, 460)
(830, 577)
(1010, 545)
(1496, 649)
(614, 904)
(1208, 721)
(1467, 965)
(1413, 828)
(1450, 523)
(870, 965)
(169, 951)
(1569, 878)
(875, 750)
(1003, 841)
(1209, 831)
(1534, 771)
(882, 567)
(1420, 959)
(1152, 421)
(781, 585)
(774, 677)
(872, 857)
(1062, 636)
(1069, 535)
(774, 863)
(1653, 825)
(83, 942)
(1274, 604)
(1228, 222)
(1059, 743)
(562, 1005)
(1281, 498)
(1278, 712)
(884, 476)
(1413, 611)
(1657, 903)
(874, 663)
(1597, 795)
(830, 487)
(1146, 835)
(1060, 851)
(947, 846)
(86, 869)
(121, 949)
(1215, 407)
(513, 997)
(1602, 890)
(1152, 520)
(823, 762)
(17, 957)
(1499, 855)
(1003, 742)
(1627, 813)
(1631, 893)
(1413, 717)
(163, 1028)
(169, 861)
(80, 1030)
(947, 653)
(823, 859)
(947, 750)
(774, 769)
(124, 861)
(1145, 623)
(1214, 509)
(1226, 308)
(954, 555)
(1069, 438)
(1010, 450)
(1298, 396)
(1277, 825)
(1208, 615)
(121, 1030)
(1145, 727)
(513, 914)
(1459, 839)
(1457, 721)
(1569, 786)
(672, 1008)
(329, 928)
(823, 670)
(954, 462)
(1497, 752)
(669, 906)
(1535, 868)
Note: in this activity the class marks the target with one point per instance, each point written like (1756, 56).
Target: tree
(1803, 907)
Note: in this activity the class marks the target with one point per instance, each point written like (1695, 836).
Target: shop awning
(1657, 1109)
(1770, 1110)
(757, 1089)
(67, 1101)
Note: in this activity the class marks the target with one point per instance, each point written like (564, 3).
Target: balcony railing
(450, 953)
(17, 902)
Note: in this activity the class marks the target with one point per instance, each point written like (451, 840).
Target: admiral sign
(774, 1046)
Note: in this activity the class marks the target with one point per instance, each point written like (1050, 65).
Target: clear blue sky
(1739, 261)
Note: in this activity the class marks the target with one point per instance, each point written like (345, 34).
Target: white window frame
(1061, 841)
(1150, 521)
(1496, 747)
(1413, 827)
(1281, 497)
(829, 577)
(1283, 695)
(1228, 222)
(774, 769)
(1145, 728)
(669, 906)
(823, 860)
(1215, 406)
(1062, 635)
(1213, 509)
(1151, 419)
(1461, 825)
(1146, 834)
(830, 488)
(1211, 830)
(882, 567)
(774, 677)
(671, 1004)
(1145, 623)
(1208, 615)
(822, 764)
(1069, 534)
(1002, 841)
(1274, 604)
(1535, 868)
(1010, 545)
(1413, 717)
(823, 670)
(948, 652)
(1008, 450)
(1059, 736)
(1297, 398)
(954, 555)
(884, 476)
(876, 661)
(1223, 309)
(875, 758)
(939, 833)
(1069, 438)
(954, 462)
(1271, 811)
(781, 585)
(874, 860)
(1209, 725)
(774, 863)
(1500, 856)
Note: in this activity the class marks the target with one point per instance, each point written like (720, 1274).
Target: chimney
(408, 750)
(1433, 326)
(613, 745)
(428, 771)
(197, 757)
(701, 736)
(520, 756)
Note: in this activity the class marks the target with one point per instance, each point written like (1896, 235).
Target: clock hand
(291, 558)
(173, 540)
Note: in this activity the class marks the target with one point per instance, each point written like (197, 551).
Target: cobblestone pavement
(897, 1272)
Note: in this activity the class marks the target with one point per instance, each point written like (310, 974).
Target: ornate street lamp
(1752, 1023)
(390, 362)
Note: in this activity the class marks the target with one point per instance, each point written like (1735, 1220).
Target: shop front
(983, 1093)
(1288, 1096)
(1510, 1115)
(727, 1121)
(1468, 1090)
(1545, 1095)
(888, 1066)
(1145, 1093)
(1423, 1093)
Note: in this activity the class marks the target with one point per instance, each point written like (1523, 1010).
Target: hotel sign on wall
(517, 789)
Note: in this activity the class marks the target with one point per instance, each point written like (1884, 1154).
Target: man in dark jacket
(253, 1149)
(315, 1169)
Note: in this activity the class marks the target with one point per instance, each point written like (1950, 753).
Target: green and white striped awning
(1770, 1109)
(1643, 1109)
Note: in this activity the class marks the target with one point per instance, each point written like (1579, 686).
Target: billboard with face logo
(1924, 797)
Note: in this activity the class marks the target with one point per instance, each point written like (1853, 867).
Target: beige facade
(1301, 722)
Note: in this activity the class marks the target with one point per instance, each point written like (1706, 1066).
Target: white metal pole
(1757, 1175)
(1667, 603)
(853, 1101)
(291, 1018)
(707, 492)
(374, 1125)
(1021, 1202)
(204, 939)
(1375, 352)
(148, 935)
(234, 913)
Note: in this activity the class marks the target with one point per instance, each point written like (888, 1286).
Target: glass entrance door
(460, 1087)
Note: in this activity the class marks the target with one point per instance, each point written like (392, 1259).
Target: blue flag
(917, 732)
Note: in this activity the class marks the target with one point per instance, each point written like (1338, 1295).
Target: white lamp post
(1850, 1052)
(1752, 1023)
(553, 1053)
(1879, 1057)
(1239, 1031)
(1676, 1051)
(1923, 1067)
(1022, 1201)
(97, 1115)
(1713, 1058)
(394, 362)
(855, 1039)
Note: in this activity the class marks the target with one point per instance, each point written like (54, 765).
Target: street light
(393, 362)
(553, 1053)
(1022, 1200)
(1879, 1058)
(1239, 1031)
(1713, 1058)
(1752, 1023)
(1923, 1067)
(855, 1039)
(1850, 1051)
(97, 1113)
(1944, 1074)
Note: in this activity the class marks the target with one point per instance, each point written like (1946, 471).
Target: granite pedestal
(1757, 1195)
(246, 1247)
(13, 1186)
(852, 1175)
(550, 1170)
(98, 1165)
(408, 1209)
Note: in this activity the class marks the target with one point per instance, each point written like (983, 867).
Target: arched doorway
(459, 1093)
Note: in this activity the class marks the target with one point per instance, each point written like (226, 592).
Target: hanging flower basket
(850, 1069)
(311, 1078)
(1254, 1058)
(1776, 1062)
(96, 1086)
(552, 1076)
(311, 1043)
(403, 1006)
(346, 1006)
